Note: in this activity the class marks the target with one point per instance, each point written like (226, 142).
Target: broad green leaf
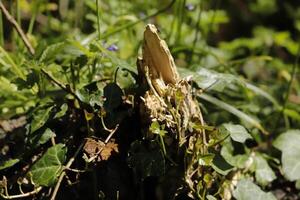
(247, 190)
(247, 118)
(47, 169)
(263, 172)
(40, 117)
(237, 132)
(209, 79)
(236, 160)
(8, 163)
(289, 144)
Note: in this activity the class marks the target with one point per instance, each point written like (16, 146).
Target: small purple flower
(190, 7)
(113, 47)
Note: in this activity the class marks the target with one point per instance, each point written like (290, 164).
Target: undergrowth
(70, 95)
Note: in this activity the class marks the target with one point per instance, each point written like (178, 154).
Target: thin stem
(1, 30)
(18, 28)
(61, 177)
(289, 86)
(196, 32)
(61, 85)
(111, 134)
(18, 15)
(98, 19)
(33, 17)
(18, 196)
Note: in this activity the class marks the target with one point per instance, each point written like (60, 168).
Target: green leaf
(221, 165)
(233, 111)
(17, 70)
(209, 79)
(247, 190)
(8, 163)
(289, 144)
(47, 169)
(38, 139)
(40, 117)
(238, 160)
(297, 184)
(62, 112)
(237, 132)
(206, 160)
(49, 54)
(263, 172)
(210, 197)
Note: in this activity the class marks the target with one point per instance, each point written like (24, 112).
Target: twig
(18, 28)
(18, 196)
(75, 170)
(61, 177)
(61, 85)
(111, 134)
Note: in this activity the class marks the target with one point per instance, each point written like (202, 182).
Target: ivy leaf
(40, 117)
(221, 165)
(247, 190)
(263, 172)
(289, 144)
(47, 169)
(8, 163)
(39, 139)
(237, 132)
(62, 112)
(236, 160)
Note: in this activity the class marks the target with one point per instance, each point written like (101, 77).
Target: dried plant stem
(18, 28)
(61, 85)
(62, 175)
(18, 196)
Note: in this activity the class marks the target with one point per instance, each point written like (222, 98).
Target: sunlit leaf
(47, 169)
(237, 132)
(247, 190)
(289, 144)
(38, 139)
(263, 172)
(62, 112)
(236, 160)
(49, 54)
(247, 118)
(8, 163)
